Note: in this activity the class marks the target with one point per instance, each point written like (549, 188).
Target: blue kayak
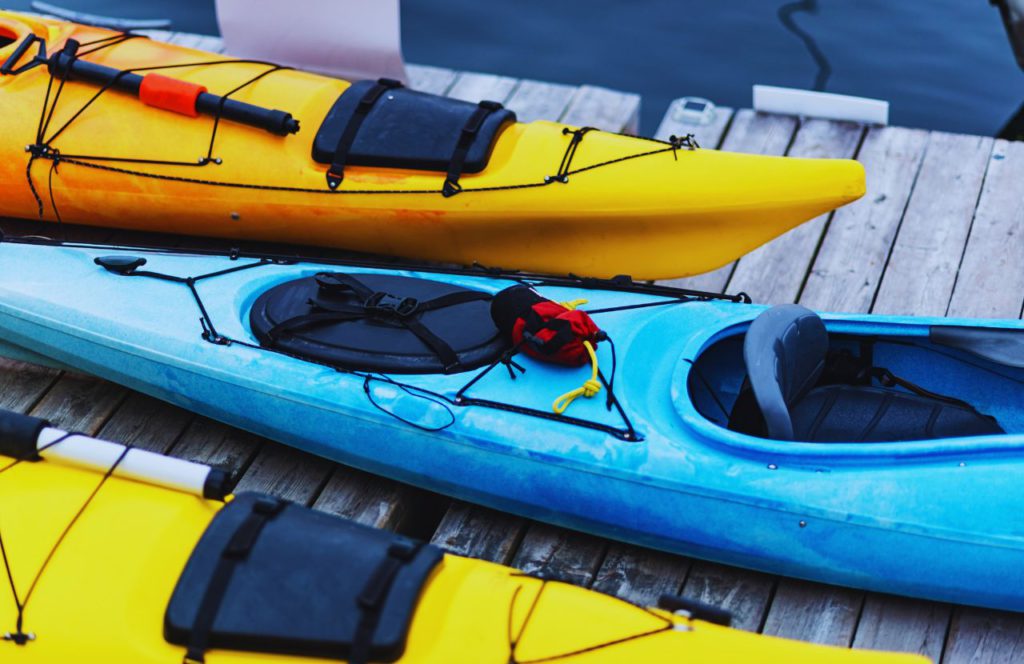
(876, 452)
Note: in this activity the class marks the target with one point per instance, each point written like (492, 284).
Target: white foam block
(826, 105)
(353, 39)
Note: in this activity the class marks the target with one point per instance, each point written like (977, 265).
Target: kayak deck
(777, 606)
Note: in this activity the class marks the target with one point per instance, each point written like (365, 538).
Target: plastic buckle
(388, 305)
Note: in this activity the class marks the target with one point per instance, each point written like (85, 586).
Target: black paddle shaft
(64, 63)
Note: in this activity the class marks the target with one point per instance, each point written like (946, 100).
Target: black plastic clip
(388, 305)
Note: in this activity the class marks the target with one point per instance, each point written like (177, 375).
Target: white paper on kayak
(353, 39)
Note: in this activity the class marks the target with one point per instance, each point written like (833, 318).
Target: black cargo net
(19, 636)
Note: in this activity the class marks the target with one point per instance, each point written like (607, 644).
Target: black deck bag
(274, 577)
(379, 322)
(407, 129)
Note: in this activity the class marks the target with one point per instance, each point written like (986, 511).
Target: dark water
(944, 64)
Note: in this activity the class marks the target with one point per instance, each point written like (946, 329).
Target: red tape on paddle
(170, 94)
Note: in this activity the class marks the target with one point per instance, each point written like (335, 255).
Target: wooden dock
(940, 232)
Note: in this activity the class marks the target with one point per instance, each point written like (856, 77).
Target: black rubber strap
(236, 550)
(336, 173)
(375, 594)
(534, 325)
(888, 379)
(466, 140)
(19, 435)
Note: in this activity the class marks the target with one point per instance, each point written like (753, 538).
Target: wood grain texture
(435, 80)
(478, 532)
(80, 403)
(474, 87)
(147, 423)
(900, 624)
(813, 612)
(639, 575)
(605, 109)
(926, 255)
(286, 473)
(977, 636)
(849, 266)
(560, 554)
(990, 282)
(216, 444)
(22, 385)
(745, 594)
(536, 100)
(774, 272)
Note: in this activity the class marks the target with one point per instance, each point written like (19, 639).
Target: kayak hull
(831, 513)
(629, 206)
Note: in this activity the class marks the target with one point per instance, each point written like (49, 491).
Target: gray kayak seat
(1002, 346)
(785, 351)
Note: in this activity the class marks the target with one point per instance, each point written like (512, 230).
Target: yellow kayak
(121, 555)
(116, 130)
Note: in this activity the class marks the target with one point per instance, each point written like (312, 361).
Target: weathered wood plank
(435, 80)
(80, 403)
(899, 624)
(752, 133)
(990, 281)
(745, 594)
(605, 109)
(561, 554)
(926, 254)
(371, 500)
(216, 444)
(147, 423)
(22, 385)
(977, 636)
(536, 100)
(775, 272)
(639, 575)
(287, 473)
(474, 87)
(478, 532)
(812, 612)
(849, 266)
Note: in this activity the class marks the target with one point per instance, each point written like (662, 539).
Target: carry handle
(27, 438)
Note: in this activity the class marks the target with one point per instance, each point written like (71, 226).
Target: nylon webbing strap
(236, 550)
(336, 173)
(466, 139)
(375, 594)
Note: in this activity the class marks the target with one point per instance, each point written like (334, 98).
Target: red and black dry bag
(544, 329)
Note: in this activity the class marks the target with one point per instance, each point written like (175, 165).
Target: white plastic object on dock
(353, 39)
(693, 110)
(825, 105)
(141, 465)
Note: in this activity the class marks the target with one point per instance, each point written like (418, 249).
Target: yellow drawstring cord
(588, 389)
(572, 304)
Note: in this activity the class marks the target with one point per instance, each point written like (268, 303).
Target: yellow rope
(588, 389)
(572, 304)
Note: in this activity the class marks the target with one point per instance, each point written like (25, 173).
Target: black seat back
(784, 352)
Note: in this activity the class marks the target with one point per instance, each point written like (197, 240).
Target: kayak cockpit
(788, 378)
